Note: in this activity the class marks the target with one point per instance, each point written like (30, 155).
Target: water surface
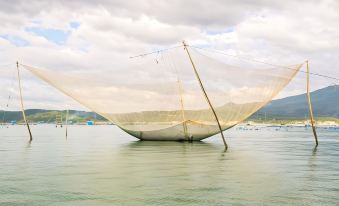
(101, 165)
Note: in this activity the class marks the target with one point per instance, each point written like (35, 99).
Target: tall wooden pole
(182, 110)
(22, 103)
(310, 104)
(205, 94)
(66, 123)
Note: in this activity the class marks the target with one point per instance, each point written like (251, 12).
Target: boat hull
(194, 132)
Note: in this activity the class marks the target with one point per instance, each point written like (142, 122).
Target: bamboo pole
(22, 104)
(310, 104)
(66, 123)
(182, 106)
(182, 110)
(205, 94)
(181, 99)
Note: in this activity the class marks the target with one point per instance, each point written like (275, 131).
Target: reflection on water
(103, 166)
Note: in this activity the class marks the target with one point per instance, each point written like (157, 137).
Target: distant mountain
(49, 116)
(325, 103)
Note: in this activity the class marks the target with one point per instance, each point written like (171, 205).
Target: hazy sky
(82, 35)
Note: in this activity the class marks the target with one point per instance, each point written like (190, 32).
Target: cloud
(74, 24)
(54, 35)
(89, 35)
(17, 41)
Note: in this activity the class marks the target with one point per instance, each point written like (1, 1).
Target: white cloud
(111, 31)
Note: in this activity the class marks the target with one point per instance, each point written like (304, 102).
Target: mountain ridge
(325, 103)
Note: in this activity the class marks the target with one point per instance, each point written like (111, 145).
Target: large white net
(158, 97)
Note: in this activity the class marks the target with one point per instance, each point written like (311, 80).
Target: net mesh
(158, 97)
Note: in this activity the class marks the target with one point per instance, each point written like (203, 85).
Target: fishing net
(158, 96)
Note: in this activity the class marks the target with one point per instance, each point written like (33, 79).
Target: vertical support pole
(205, 94)
(183, 111)
(22, 103)
(182, 107)
(310, 104)
(66, 123)
(181, 100)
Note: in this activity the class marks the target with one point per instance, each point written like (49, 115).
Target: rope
(4, 66)
(262, 62)
(8, 99)
(321, 75)
(153, 52)
(235, 56)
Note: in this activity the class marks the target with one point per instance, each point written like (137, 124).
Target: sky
(89, 35)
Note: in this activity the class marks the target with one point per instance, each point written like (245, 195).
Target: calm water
(101, 165)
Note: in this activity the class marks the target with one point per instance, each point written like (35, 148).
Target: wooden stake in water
(66, 122)
(310, 105)
(22, 103)
(205, 94)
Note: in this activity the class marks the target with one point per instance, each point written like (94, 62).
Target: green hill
(325, 103)
(49, 116)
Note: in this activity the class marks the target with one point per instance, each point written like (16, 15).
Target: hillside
(48, 116)
(325, 103)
